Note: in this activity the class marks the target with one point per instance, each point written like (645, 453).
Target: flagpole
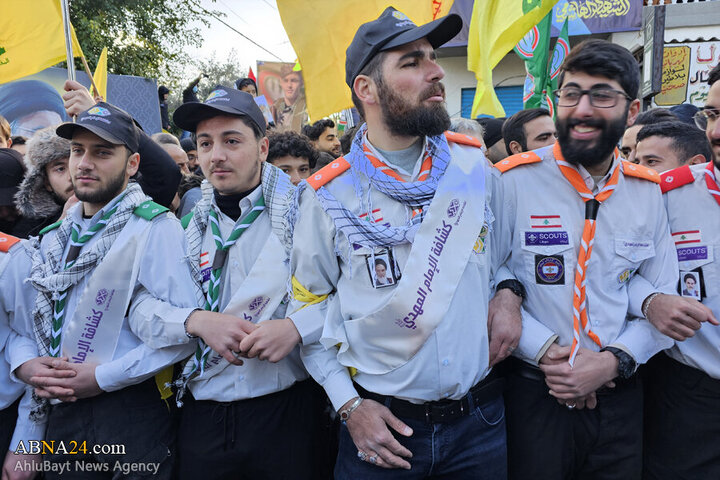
(68, 39)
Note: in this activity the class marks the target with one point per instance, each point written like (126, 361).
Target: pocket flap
(635, 249)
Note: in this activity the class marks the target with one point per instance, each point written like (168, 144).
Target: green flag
(534, 48)
(561, 50)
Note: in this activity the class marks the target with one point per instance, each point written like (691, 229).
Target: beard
(583, 153)
(105, 193)
(403, 119)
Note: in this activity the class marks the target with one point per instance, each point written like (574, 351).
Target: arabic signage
(685, 71)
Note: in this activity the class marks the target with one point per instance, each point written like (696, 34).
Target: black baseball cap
(11, 175)
(107, 122)
(392, 29)
(221, 101)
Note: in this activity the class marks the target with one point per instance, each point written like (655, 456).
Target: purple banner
(692, 253)
(546, 238)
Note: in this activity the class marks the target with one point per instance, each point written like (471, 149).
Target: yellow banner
(32, 38)
(321, 30)
(100, 75)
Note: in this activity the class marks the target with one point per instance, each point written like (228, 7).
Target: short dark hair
(602, 58)
(293, 144)
(18, 140)
(687, 140)
(714, 74)
(240, 83)
(373, 69)
(314, 131)
(347, 138)
(514, 127)
(688, 275)
(655, 115)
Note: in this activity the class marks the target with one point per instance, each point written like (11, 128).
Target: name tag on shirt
(692, 253)
(535, 238)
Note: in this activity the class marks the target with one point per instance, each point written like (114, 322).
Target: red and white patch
(204, 261)
(375, 217)
(689, 236)
(545, 221)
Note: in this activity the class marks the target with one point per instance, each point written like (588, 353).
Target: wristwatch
(626, 363)
(516, 287)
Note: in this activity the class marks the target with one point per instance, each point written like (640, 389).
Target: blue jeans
(471, 447)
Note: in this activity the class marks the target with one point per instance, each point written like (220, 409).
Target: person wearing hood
(46, 186)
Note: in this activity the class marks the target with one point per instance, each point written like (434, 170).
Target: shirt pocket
(549, 258)
(630, 252)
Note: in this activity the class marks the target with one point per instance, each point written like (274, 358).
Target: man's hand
(46, 367)
(77, 98)
(222, 332)
(68, 204)
(272, 340)
(83, 384)
(678, 317)
(590, 371)
(11, 460)
(504, 324)
(368, 427)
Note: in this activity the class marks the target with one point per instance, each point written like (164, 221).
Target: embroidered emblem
(688, 236)
(545, 221)
(549, 270)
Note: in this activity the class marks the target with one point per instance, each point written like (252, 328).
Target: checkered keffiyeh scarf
(414, 195)
(50, 279)
(280, 202)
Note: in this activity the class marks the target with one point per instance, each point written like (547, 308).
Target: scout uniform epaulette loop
(513, 161)
(7, 241)
(149, 210)
(676, 178)
(328, 172)
(463, 139)
(640, 171)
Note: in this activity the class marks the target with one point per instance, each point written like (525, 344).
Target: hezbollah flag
(32, 38)
(321, 30)
(100, 75)
(533, 49)
(496, 27)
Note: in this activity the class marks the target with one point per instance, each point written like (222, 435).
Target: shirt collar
(398, 169)
(590, 181)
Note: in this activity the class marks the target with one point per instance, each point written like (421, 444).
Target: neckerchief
(711, 182)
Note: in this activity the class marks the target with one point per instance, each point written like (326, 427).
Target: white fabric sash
(390, 336)
(92, 334)
(259, 295)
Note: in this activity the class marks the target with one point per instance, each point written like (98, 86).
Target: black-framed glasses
(706, 115)
(599, 97)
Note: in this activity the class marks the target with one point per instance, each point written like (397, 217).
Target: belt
(441, 411)
(531, 372)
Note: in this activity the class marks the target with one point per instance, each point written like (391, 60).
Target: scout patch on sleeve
(479, 247)
(549, 269)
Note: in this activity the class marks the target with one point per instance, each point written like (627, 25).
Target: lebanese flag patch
(689, 236)
(545, 221)
(376, 216)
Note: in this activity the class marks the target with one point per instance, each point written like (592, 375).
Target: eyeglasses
(599, 97)
(706, 115)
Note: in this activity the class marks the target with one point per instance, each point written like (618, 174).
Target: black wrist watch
(516, 287)
(626, 363)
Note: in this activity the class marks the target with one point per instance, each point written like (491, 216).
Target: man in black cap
(239, 237)
(96, 273)
(11, 175)
(492, 135)
(421, 398)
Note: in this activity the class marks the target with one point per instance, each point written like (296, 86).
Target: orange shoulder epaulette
(675, 178)
(328, 172)
(7, 241)
(518, 159)
(463, 139)
(639, 171)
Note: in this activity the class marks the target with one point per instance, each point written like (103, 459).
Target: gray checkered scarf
(415, 195)
(281, 205)
(49, 278)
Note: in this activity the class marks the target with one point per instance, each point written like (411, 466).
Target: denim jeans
(470, 447)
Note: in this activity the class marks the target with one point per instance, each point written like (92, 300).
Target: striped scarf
(711, 182)
(52, 277)
(416, 195)
(592, 204)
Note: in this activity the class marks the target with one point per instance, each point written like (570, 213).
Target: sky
(256, 19)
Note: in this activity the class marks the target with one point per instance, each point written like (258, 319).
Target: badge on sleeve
(382, 268)
(549, 270)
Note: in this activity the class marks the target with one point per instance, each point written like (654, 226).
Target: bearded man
(590, 242)
(421, 348)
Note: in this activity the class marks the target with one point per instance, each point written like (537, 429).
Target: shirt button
(241, 377)
(446, 362)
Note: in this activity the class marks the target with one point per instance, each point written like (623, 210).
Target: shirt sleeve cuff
(19, 350)
(309, 323)
(339, 388)
(535, 336)
(639, 289)
(545, 348)
(108, 379)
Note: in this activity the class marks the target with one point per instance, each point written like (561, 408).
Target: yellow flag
(321, 30)
(32, 38)
(496, 27)
(100, 75)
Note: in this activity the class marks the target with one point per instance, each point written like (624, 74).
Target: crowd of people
(424, 297)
